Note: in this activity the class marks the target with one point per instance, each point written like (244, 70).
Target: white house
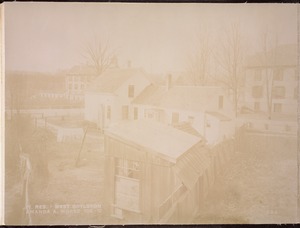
(207, 109)
(108, 97)
(272, 81)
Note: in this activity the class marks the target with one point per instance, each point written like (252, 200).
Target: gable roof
(82, 70)
(152, 95)
(166, 141)
(283, 55)
(194, 98)
(112, 79)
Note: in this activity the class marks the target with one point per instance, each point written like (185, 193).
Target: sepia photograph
(150, 113)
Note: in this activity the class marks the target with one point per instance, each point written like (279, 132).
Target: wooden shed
(154, 173)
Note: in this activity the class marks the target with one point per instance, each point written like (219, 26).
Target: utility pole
(82, 142)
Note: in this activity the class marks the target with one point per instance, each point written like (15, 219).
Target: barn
(155, 173)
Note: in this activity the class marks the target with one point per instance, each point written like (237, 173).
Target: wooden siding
(164, 197)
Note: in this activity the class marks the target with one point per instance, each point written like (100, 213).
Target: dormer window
(131, 91)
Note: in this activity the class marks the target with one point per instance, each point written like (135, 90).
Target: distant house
(31, 89)
(78, 79)
(53, 93)
(154, 172)
(272, 74)
(205, 108)
(108, 97)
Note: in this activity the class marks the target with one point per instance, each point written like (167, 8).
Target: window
(70, 86)
(125, 112)
(257, 75)
(296, 93)
(278, 74)
(257, 91)
(131, 91)
(175, 117)
(75, 86)
(82, 86)
(128, 168)
(135, 113)
(277, 107)
(278, 92)
(108, 112)
(220, 102)
(256, 106)
(127, 184)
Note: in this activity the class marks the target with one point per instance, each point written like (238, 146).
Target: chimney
(169, 81)
(129, 64)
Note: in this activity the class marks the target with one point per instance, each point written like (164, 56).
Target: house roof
(112, 79)
(195, 98)
(186, 127)
(82, 70)
(219, 116)
(166, 141)
(284, 55)
(152, 95)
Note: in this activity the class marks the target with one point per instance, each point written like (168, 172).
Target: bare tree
(198, 61)
(231, 60)
(269, 59)
(99, 54)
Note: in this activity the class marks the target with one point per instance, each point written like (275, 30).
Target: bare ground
(66, 194)
(258, 186)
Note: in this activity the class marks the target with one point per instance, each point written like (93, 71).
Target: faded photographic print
(150, 113)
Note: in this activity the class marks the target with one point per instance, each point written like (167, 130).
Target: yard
(58, 189)
(258, 186)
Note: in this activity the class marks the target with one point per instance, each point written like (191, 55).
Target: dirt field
(258, 186)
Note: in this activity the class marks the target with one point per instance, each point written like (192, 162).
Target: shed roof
(196, 98)
(192, 165)
(112, 79)
(166, 141)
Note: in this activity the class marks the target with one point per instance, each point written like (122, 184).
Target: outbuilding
(155, 173)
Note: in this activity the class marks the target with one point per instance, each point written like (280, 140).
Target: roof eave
(138, 146)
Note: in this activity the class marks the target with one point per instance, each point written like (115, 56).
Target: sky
(48, 37)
